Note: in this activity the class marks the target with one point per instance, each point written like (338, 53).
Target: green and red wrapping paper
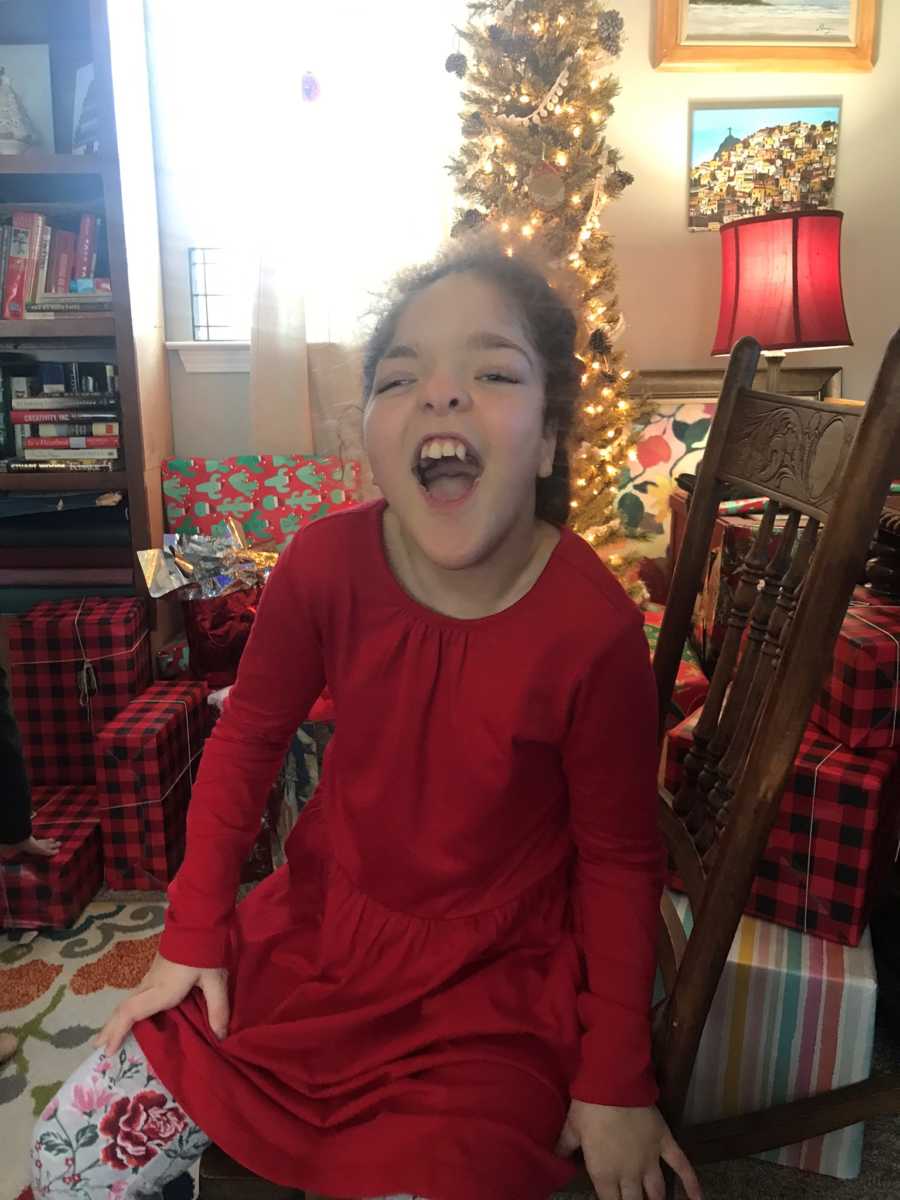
(146, 761)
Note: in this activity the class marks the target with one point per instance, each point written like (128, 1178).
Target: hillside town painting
(747, 161)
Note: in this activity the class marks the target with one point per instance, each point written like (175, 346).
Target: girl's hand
(165, 986)
(622, 1148)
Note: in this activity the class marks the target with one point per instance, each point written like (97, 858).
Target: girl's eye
(390, 384)
(498, 377)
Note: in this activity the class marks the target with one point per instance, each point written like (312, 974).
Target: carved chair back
(825, 468)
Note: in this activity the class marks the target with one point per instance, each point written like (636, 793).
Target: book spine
(59, 416)
(52, 261)
(14, 294)
(71, 443)
(65, 261)
(51, 307)
(85, 247)
(86, 400)
(5, 237)
(30, 453)
(23, 466)
(70, 429)
(20, 433)
(34, 254)
(40, 278)
(20, 389)
(72, 377)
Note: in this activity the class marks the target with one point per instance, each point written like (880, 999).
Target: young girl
(446, 990)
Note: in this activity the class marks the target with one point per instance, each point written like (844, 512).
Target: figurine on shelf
(16, 130)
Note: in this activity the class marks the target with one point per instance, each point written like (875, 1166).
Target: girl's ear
(548, 452)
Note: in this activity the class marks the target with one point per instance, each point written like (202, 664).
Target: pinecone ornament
(609, 32)
(456, 64)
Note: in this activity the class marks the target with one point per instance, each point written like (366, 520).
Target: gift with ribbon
(829, 854)
(860, 702)
(147, 757)
(793, 1016)
(74, 664)
(51, 893)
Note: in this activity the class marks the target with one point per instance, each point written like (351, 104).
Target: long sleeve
(15, 795)
(281, 674)
(610, 760)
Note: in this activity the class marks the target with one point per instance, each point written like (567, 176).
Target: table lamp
(781, 283)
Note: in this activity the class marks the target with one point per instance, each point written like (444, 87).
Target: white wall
(668, 277)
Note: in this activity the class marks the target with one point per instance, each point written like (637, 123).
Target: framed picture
(672, 444)
(747, 160)
(765, 35)
(26, 100)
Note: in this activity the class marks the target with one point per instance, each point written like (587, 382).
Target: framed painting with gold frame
(749, 35)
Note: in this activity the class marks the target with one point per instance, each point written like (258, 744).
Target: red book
(23, 245)
(86, 247)
(70, 443)
(34, 254)
(65, 261)
(52, 260)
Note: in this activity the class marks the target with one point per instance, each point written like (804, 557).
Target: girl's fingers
(606, 1186)
(631, 1189)
(655, 1185)
(672, 1153)
(138, 1006)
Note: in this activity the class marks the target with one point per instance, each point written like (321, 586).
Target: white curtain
(333, 196)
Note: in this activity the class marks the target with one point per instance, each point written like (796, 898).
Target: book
(20, 388)
(33, 466)
(5, 232)
(53, 378)
(34, 253)
(69, 429)
(70, 443)
(49, 308)
(85, 247)
(59, 416)
(40, 278)
(82, 401)
(14, 289)
(65, 260)
(111, 453)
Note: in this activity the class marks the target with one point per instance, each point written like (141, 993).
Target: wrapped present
(793, 1016)
(270, 496)
(41, 893)
(691, 684)
(860, 702)
(75, 665)
(217, 629)
(172, 661)
(146, 761)
(830, 850)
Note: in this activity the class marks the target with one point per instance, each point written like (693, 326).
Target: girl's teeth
(460, 452)
(449, 449)
(435, 450)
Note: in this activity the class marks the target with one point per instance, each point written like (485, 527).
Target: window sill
(221, 358)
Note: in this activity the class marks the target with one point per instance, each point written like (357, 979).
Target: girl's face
(454, 426)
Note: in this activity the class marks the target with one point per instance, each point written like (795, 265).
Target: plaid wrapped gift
(270, 496)
(860, 702)
(146, 760)
(74, 665)
(43, 893)
(830, 851)
(691, 685)
(792, 1016)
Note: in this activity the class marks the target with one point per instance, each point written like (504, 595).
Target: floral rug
(57, 989)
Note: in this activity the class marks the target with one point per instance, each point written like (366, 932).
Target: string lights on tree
(535, 165)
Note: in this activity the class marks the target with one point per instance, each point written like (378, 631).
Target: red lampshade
(781, 282)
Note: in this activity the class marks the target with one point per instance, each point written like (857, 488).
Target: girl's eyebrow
(399, 352)
(487, 340)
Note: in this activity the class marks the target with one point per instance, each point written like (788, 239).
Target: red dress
(409, 1009)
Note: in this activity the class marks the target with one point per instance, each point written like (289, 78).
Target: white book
(37, 455)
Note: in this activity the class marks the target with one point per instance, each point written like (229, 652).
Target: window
(354, 184)
(221, 295)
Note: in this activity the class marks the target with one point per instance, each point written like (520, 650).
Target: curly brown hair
(548, 321)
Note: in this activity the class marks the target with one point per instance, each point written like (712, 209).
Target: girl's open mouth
(447, 468)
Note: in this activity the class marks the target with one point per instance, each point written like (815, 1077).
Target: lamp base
(773, 370)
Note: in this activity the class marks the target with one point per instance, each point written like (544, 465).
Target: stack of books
(48, 271)
(65, 417)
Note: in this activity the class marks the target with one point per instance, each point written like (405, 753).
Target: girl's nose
(443, 396)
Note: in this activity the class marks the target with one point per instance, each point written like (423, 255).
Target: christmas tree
(535, 165)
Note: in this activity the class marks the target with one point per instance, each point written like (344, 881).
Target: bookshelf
(119, 184)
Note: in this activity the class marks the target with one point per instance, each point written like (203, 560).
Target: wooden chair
(832, 464)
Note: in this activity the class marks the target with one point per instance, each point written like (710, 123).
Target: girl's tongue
(448, 479)
(450, 487)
